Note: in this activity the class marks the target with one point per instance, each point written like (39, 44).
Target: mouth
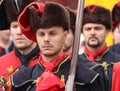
(47, 47)
(20, 38)
(93, 38)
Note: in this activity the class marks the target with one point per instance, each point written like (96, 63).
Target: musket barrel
(71, 77)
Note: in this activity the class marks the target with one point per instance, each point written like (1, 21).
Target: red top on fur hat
(97, 14)
(25, 26)
(92, 7)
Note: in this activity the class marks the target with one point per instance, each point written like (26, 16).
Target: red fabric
(70, 54)
(23, 19)
(92, 7)
(116, 77)
(10, 61)
(49, 81)
(93, 55)
(118, 4)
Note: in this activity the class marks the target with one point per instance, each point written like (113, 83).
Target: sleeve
(99, 83)
(116, 77)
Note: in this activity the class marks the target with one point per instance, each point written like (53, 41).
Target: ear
(65, 33)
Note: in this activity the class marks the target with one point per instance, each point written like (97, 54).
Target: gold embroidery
(56, 71)
(3, 83)
(10, 69)
(105, 65)
(62, 78)
(36, 81)
(9, 83)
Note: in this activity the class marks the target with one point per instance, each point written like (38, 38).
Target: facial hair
(95, 44)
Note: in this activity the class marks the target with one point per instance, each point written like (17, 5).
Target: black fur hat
(54, 14)
(43, 16)
(72, 15)
(3, 17)
(116, 15)
(14, 8)
(97, 14)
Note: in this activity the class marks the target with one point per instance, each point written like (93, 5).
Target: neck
(26, 51)
(5, 43)
(94, 49)
(68, 51)
(92, 54)
(51, 58)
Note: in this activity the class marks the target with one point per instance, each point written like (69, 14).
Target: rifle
(70, 82)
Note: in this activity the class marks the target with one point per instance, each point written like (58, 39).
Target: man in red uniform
(116, 47)
(25, 52)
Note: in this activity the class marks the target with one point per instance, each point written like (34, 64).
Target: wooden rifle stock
(71, 77)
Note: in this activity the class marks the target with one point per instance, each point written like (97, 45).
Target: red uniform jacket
(9, 64)
(116, 77)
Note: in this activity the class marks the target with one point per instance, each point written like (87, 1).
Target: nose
(46, 38)
(18, 30)
(92, 31)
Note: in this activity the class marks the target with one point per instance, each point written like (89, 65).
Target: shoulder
(95, 67)
(8, 62)
(25, 74)
(85, 75)
(8, 55)
(88, 63)
(116, 67)
(115, 48)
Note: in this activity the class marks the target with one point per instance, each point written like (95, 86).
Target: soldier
(48, 25)
(116, 22)
(6, 45)
(96, 26)
(116, 28)
(68, 45)
(25, 52)
(115, 48)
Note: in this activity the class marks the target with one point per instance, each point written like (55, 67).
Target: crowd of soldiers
(36, 47)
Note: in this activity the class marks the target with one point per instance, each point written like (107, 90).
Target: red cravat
(93, 55)
(48, 81)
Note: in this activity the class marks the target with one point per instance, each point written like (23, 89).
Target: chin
(93, 44)
(47, 53)
(21, 47)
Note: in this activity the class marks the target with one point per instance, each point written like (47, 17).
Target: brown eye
(98, 28)
(40, 34)
(87, 28)
(14, 25)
